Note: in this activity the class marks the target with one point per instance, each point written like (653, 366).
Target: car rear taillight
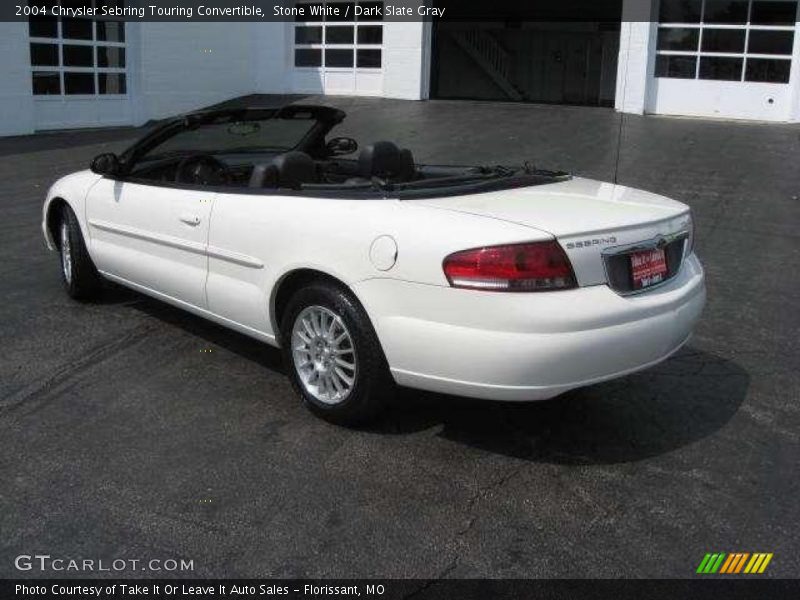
(532, 267)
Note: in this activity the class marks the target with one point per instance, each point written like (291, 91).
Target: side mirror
(106, 164)
(340, 146)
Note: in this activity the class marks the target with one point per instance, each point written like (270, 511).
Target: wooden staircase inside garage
(490, 56)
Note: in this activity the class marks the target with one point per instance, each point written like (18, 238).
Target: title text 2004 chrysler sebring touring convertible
(491, 282)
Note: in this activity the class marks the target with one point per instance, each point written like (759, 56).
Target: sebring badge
(592, 242)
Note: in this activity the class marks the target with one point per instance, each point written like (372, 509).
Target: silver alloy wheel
(324, 354)
(66, 252)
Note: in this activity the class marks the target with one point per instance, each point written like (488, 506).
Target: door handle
(190, 219)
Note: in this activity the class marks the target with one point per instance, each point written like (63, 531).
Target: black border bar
(502, 11)
(729, 588)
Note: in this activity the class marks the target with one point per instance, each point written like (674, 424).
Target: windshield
(230, 134)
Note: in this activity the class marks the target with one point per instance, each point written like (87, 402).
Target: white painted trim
(235, 257)
(427, 58)
(174, 242)
(157, 238)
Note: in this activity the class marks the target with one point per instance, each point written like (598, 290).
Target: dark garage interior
(546, 55)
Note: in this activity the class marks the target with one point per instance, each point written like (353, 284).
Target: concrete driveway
(129, 429)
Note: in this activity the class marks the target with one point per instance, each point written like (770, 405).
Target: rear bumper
(505, 346)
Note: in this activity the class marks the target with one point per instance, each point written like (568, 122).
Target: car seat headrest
(408, 171)
(381, 159)
(289, 170)
(264, 176)
(294, 169)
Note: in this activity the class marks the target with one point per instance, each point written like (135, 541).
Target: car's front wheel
(78, 273)
(333, 356)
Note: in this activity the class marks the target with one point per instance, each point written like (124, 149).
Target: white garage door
(726, 58)
(337, 48)
(79, 73)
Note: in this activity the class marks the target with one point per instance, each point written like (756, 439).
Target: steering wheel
(202, 169)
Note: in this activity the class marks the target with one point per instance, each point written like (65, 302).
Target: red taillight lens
(533, 267)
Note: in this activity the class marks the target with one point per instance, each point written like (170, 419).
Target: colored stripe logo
(734, 563)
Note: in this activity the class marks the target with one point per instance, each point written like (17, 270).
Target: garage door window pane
(723, 40)
(78, 56)
(339, 35)
(346, 11)
(85, 57)
(679, 67)
(370, 34)
(345, 37)
(338, 58)
(767, 70)
(77, 29)
(110, 31)
(308, 35)
(720, 68)
(44, 55)
(773, 12)
(79, 83)
(680, 11)
(46, 83)
(368, 59)
(370, 11)
(112, 83)
(678, 39)
(307, 57)
(725, 11)
(46, 27)
(770, 42)
(111, 56)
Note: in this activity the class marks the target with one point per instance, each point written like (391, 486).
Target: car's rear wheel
(78, 273)
(333, 356)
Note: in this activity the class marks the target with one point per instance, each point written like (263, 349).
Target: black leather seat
(408, 170)
(264, 176)
(386, 161)
(290, 170)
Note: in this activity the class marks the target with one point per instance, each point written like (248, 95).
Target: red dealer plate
(648, 268)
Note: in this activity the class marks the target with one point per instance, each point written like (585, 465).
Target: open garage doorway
(548, 56)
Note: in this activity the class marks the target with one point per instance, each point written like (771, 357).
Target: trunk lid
(589, 218)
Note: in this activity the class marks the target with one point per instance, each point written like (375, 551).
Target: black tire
(373, 384)
(78, 273)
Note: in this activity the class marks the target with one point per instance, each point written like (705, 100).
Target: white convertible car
(491, 282)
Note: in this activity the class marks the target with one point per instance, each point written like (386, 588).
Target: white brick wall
(635, 64)
(16, 98)
(183, 66)
(271, 57)
(403, 63)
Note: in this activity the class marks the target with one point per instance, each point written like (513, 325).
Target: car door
(246, 233)
(152, 236)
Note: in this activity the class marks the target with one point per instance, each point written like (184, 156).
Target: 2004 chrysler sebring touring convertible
(492, 282)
